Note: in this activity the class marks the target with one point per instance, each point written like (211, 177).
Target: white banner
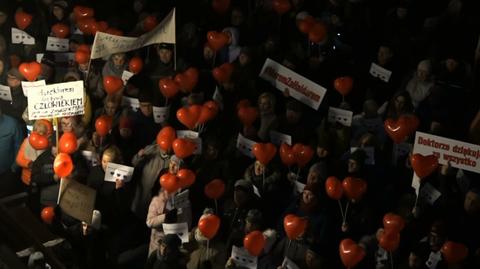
(160, 114)
(57, 44)
(298, 87)
(131, 102)
(107, 44)
(56, 100)
(116, 171)
(460, 154)
(21, 37)
(27, 85)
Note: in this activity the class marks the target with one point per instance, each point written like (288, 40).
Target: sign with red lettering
(298, 87)
(459, 154)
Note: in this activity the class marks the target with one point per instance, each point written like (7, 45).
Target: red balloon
(217, 40)
(454, 252)
(189, 116)
(281, 6)
(186, 177)
(149, 23)
(48, 214)
(82, 56)
(343, 85)
(30, 70)
(37, 141)
(135, 65)
(165, 138)
(389, 239)
(168, 87)
(393, 222)
(83, 12)
(354, 188)
(60, 30)
(334, 188)
(103, 124)
(424, 165)
(254, 242)
(306, 24)
(243, 103)
(317, 33)
(350, 253)
(188, 79)
(23, 19)
(294, 226)
(169, 182)
(264, 152)
(67, 143)
(87, 25)
(208, 112)
(102, 26)
(303, 154)
(399, 129)
(112, 84)
(247, 115)
(63, 165)
(214, 189)
(220, 6)
(84, 47)
(183, 148)
(286, 155)
(209, 225)
(223, 73)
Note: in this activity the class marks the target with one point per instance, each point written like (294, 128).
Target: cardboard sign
(289, 264)
(26, 85)
(160, 114)
(21, 37)
(77, 200)
(298, 87)
(370, 151)
(217, 97)
(116, 171)
(57, 44)
(459, 154)
(126, 75)
(107, 44)
(380, 72)
(182, 200)
(192, 136)
(5, 93)
(133, 103)
(242, 258)
(416, 184)
(278, 138)
(91, 157)
(180, 229)
(342, 116)
(245, 145)
(56, 100)
(429, 193)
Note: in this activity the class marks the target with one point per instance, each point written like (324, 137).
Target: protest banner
(160, 114)
(77, 200)
(21, 37)
(116, 171)
(57, 44)
(298, 86)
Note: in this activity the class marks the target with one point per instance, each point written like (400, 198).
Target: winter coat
(26, 156)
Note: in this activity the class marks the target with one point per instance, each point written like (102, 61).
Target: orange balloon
(343, 85)
(294, 226)
(334, 189)
(48, 214)
(37, 141)
(209, 225)
(189, 116)
(399, 129)
(247, 115)
(354, 188)
(317, 33)
(165, 138)
(102, 26)
(169, 182)
(208, 112)
(306, 24)
(30, 70)
(168, 87)
(82, 57)
(149, 23)
(183, 148)
(63, 165)
(303, 154)
(67, 143)
(389, 239)
(188, 79)
(223, 73)
(214, 189)
(60, 30)
(186, 177)
(103, 124)
(393, 221)
(87, 25)
(264, 152)
(286, 155)
(350, 253)
(112, 84)
(281, 6)
(424, 165)
(217, 40)
(135, 65)
(23, 20)
(454, 252)
(254, 242)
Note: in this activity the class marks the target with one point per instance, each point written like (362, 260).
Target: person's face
(422, 74)
(353, 166)
(118, 60)
(322, 152)
(414, 261)
(41, 129)
(240, 197)
(2, 67)
(250, 227)
(106, 158)
(384, 55)
(58, 12)
(110, 108)
(208, 53)
(165, 55)
(3, 18)
(259, 168)
(173, 167)
(293, 116)
(146, 109)
(400, 103)
(313, 177)
(308, 196)
(265, 105)
(237, 17)
(13, 82)
(243, 59)
(471, 203)
(66, 124)
(451, 65)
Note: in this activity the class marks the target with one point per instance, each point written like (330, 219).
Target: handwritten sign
(245, 145)
(192, 136)
(182, 200)
(116, 171)
(57, 44)
(242, 258)
(105, 44)
(180, 229)
(56, 100)
(126, 75)
(21, 37)
(380, 72)
(459, 154)
(278, 138)
(160, 114)
(133, 103)
(298, 87)
(342, 116)
(77, 200)
(5, 93)
(27, 85)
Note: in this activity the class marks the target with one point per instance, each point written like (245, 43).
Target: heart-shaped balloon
(317, 33)
(424, 165)
(334, 188)
(354, 188)
(389, 239)
(286, 155)
(165, 138)
(189, 116)
(247, 115)
(209, 225)
(183, 147)
(60, 30)
(114, 31)
(214, 189)
(186, 177)
(254, 242)
(208, 112)
(38, 141)
(350, 253)
(217, 40)
(294, 226)
(170, 182)
(188, 79)
(135, 65)
(243, 103)
(87, 25)
(62, 165)
(454, 252)
(103, 125)
(281, 6)
(393, 221)
(102, 26)
(30, 70)
(264, 152)
(223, 73)
(48, 214)
(149, 23)
(67, 143)
(343, 85)
(306, 24)
(220, 6)
(23, 20)
(83, 12)
(168, 87)
(112, 84)
(399, 129)
(303, 154)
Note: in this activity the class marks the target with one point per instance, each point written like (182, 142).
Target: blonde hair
(114, 152)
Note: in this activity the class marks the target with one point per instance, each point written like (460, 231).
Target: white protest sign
(91, 157)
(21, 37)
(278, 138)
(180, 229)
(182, 200)
(298, 87)
(116, 171)
(107, 44)
(416, 184)
(244, 145)
(242, 258)
(5, 93)
(342, 116)
(57, 44)
(459, 154)
(160, 114)
(27, 85)
(126, 75)
(217, 97)
(370, 151)
(299, 186)
(380, 72)
(133, 103)
(192, 136)
(429, 193)
(56, 100)
(289, 264)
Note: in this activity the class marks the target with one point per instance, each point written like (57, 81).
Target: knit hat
(167, 46)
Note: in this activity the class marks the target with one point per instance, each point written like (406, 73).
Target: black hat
(167, 46)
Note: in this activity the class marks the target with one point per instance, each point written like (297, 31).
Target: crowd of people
(292, 196)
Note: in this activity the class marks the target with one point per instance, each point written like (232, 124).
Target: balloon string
(214, 58)
(263, 180)
(341, 209)
(288, 247)
(55, 122)
(391, 259)
(166, 101)
(346, 210)
(216, 206)
(298, 171)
